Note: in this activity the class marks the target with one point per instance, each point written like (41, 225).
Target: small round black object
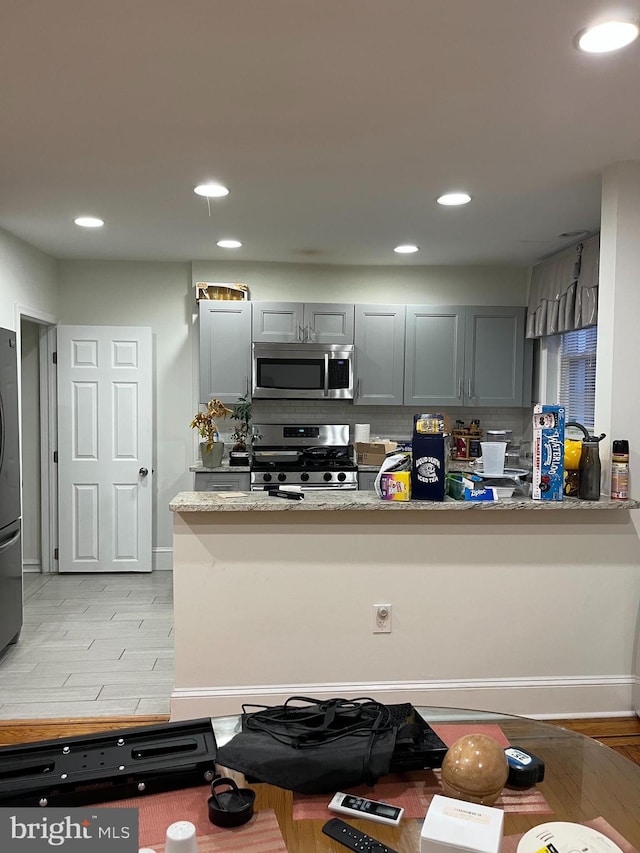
(230, 807)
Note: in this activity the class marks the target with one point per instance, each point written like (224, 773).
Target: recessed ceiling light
(611, 35)
(211, 190)
(406, 249)
(89, 222)
(453, 199)
(229, 244)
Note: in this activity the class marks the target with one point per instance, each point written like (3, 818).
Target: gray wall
(27, 279)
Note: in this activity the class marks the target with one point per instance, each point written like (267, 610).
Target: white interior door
(104, 448)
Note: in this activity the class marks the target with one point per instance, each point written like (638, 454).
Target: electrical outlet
(381, 618)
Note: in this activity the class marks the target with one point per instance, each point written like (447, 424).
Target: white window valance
(564, 291)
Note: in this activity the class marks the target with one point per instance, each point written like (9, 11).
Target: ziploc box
(455, 826)
(430, 455)
(395, 485)
(548, 452)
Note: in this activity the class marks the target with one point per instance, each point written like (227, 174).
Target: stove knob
(282, 477)
(342, 477)
(327, 476)
(266, 478)
(304, 477)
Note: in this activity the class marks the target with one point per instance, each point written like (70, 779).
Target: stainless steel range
(309, 455)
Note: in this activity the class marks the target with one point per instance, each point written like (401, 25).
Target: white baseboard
(538, 698)
(162, 559)
(31, 566)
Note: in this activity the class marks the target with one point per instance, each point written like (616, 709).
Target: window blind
(577, 375)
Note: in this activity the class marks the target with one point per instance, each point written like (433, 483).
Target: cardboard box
(395, 486)
(455, 826)
(373, 452)
(548, 453)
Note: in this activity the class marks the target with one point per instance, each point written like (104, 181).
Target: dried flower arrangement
(206, 421)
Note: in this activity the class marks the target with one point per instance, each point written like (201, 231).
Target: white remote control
(361, 807)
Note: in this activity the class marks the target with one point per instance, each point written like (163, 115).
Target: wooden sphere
(475, 769)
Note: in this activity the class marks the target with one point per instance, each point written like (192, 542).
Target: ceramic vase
(211, 458)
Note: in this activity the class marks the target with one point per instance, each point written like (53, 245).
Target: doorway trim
(48, 429)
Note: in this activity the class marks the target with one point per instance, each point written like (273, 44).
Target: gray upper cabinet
(434, 356)
(379, 343)
(303, 322)
(225, 350)
(466, 356)
(494, 356)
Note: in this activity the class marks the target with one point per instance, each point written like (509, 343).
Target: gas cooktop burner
(302, 463)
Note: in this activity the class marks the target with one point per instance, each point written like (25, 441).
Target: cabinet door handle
(459, 387)
(469, 389)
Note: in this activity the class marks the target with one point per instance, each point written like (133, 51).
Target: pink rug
(158, 811)
(415, 796)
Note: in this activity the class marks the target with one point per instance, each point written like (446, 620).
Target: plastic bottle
(620, 470)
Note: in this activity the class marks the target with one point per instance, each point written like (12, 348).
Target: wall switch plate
(381, 618)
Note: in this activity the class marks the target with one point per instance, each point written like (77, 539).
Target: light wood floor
(620, 733)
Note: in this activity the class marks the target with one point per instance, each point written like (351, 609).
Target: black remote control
(353, 838)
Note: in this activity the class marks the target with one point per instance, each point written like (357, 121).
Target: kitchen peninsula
(517, 606)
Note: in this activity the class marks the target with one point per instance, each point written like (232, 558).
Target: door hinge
(55, 457)
(55, 553)
(54, 357)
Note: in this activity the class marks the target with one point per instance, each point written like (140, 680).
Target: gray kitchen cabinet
(466, 356)
(303, 322)
(225, 349)
(494, 363)
(221, 481)
(366, 480)
(380, 345)
(434, 356)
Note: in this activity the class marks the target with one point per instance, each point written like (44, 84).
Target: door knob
(143, 472)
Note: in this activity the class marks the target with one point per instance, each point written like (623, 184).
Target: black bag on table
(314, 748)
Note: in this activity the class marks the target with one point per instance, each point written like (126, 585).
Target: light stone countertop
(368, 500)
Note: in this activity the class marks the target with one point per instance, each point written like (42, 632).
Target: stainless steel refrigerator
(10, 544)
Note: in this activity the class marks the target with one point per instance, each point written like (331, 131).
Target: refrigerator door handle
(10, 540)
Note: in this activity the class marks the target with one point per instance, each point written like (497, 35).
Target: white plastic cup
(493, 453)
(181, 838)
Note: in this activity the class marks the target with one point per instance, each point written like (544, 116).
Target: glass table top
(584, 780)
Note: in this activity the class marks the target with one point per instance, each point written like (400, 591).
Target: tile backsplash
(393, 422)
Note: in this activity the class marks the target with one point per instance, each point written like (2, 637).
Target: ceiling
(334, 123)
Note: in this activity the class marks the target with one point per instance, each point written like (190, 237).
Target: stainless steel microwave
(302, 371)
